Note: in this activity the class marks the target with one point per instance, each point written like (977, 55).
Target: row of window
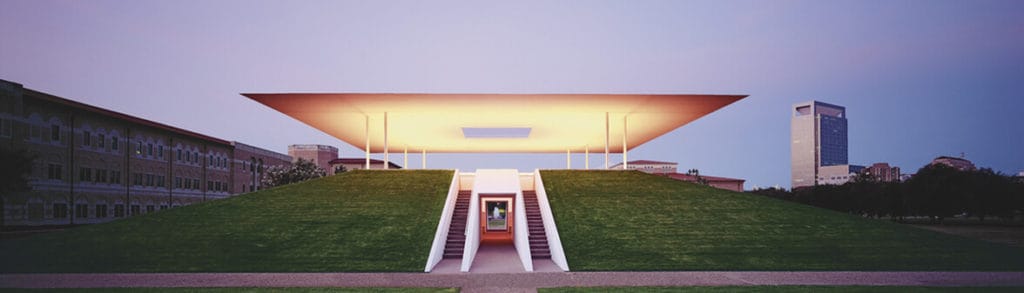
(5, 127)
(60, 211)
(101, 141)
(99, 176)
(151, 180)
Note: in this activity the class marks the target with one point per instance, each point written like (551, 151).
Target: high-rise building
(321, 155)
(818, 132)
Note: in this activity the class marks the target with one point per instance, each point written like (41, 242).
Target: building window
(5, 127)
(179, 155)
(136, 210)
(60, 211)
(216, 186)
(119, 211)
(160, 181)
(81, 211)
(55, 132)
(101, 175)
(149, 179)
(55, 172)
(85, 174)
(35, 211)
(101, 140)
(150, 209)
(209, 160)
(101, 211)
(209, 185)
(137, 179)
(138, 149)
(113, 143)
(195, 183)
(188, 156)
(115, 177)
(160, 151)
(149, 149)
(86, 138)
(195, 158)
(177, 182)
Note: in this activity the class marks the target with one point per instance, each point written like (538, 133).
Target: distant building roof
(645, 162)
(688, 177)
(118, 115)
(356, 161)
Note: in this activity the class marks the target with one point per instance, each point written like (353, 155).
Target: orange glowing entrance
(497, 215)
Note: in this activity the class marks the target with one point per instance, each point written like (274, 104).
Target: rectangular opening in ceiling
(496, 132)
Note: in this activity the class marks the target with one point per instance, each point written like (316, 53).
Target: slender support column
(606, 140)
(386, 161)
(568, 159)
(367, 142)
(424, 158)
(625, 148)
(586, 157)
(405, 158)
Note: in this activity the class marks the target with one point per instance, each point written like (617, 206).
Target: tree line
(937, 191)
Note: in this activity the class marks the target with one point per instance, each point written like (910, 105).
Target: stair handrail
(441, 236)
(550, 229)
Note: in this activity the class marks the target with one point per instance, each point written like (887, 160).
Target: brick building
(321, 155)
(883, 172)
(95, 165)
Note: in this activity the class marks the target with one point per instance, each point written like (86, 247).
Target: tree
(696, 175)
(938, 191)
(301, 170)
(17, 164)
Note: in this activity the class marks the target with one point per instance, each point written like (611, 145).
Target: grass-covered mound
(355, 221)
(615, 220)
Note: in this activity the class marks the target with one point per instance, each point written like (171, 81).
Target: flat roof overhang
(437, 123)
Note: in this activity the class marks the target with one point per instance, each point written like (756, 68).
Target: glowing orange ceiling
(436, 122)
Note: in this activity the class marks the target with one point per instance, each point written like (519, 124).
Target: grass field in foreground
(783, 289)
(632, 221)
(234, 290)
(355, 221)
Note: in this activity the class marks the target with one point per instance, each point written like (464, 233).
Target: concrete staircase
(538, 237)
(456, 232)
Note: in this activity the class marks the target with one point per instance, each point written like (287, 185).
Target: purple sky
(919, 79)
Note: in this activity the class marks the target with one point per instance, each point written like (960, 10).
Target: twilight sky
(919, 79)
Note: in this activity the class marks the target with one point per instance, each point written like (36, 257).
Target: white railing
(554, 241)
(441, 236)
(521, 233)
(472, 233)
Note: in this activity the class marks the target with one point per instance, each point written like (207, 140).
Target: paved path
(512, 281)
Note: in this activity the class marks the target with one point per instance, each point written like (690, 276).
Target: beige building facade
(648, 166)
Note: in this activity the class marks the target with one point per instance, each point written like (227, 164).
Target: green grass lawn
(613, 220)
(355, 221)
(234, 290)
(780, 289)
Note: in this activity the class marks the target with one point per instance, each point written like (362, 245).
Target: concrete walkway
(504, 282)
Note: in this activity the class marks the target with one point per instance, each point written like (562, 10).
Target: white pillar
(568, 159)
(405, 158)
(586, 157)
(424, 157)
(606, 140)
(625, 149)
(386, 161)
(367, 142)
